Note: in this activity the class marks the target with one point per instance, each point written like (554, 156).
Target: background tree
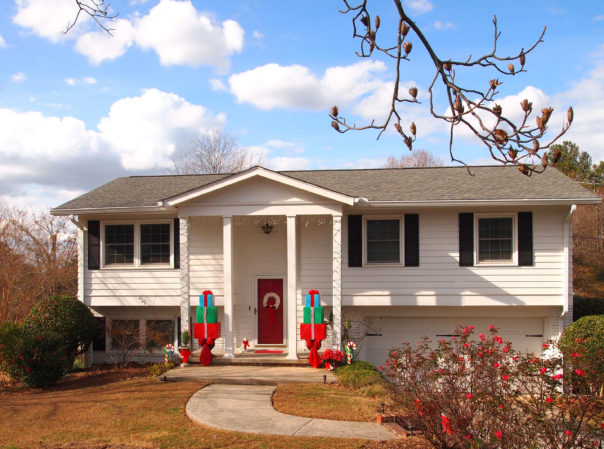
(215, 152)
(417, 158)
(469, 105)
(577, 164)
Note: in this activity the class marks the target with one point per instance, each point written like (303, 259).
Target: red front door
(270, 311)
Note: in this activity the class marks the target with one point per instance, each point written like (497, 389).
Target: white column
(336, 286)
(82, 262)
(227, 251)
(185, 291)
(292, 300)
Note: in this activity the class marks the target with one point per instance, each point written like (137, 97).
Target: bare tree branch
(508, 141)
(98, 10)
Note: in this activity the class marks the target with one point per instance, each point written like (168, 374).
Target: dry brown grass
(327, 402)
(96, 412)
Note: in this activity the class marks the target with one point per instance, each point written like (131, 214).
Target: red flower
(545, 345)
(467, 345)
(446, 424)
(506, 377)
(500, 405)
(515, 357)
(379, 368)
(579, 372)
(465, 330)
(491, 327)
(574, 354)
(543, 370)
(469, 395)
(557, 377)
(441, 371)
(568, 432)
(27, 370)
(505, 349)
(550, 400)
(470, 327)
(496, 365)
(499, 434)
(394, 354)
(482, 337)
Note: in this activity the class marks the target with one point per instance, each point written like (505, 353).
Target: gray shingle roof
(407, 184)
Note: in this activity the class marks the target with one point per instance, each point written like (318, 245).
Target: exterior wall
(439, 280)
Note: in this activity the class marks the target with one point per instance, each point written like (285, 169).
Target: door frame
(284, 304)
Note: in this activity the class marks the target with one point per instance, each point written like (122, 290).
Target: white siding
(439, 280)
(206, 261)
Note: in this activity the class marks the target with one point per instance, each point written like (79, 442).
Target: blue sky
(80, 109)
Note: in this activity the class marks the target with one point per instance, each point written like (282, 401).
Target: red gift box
(213, 330)
(306, 331)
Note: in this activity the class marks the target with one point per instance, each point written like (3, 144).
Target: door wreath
(273, 306)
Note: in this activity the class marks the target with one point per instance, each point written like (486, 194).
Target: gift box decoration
(206, 314)
(318, 315)
(306, 331)
(313, 299)
(210, 331)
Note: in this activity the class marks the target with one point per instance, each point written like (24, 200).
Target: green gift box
(318, 315)
(211, 314)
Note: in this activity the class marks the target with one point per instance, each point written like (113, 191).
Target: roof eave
(110, 210)
(482, 202)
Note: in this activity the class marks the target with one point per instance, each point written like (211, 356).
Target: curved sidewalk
(249, 408)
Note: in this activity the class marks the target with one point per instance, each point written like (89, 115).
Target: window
(159, 333)
(137, 244)
(155, 243)
(495, 239)
(119, 244)
(383, 240)
(125, 335)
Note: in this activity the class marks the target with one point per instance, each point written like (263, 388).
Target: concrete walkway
(250, 375)
(249, 408)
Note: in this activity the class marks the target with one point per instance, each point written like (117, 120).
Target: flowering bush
(332, 357)
(39, 358)
(468, 392)
(582, 344)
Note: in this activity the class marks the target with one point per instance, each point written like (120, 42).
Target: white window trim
(137, 245)
(493, 263)
(400, 263)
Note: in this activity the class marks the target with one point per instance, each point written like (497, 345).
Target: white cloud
(257, 35)
(99, 46)
(419, 6)
(18, 77)
(279, 155)
(46, 18)
(145, 130)
(585, 96)
(218, 85)
(438, 25)
(2, 42)
(288, 163)
(599, 18)
(88, 80)
(274, 86)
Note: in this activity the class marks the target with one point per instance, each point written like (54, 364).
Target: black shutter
(525, 239)
(466, 240)
(411, 240)
(176, 230)
(94, 244)
(355, 240)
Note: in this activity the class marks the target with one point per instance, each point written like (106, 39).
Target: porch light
(267, 228)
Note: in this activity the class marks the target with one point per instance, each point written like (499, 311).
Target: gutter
(493, 202)
(567, 263)
(110, 210)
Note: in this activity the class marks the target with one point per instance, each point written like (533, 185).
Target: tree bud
(546, 113)
(570, 114)
(377, 22)
(540, 124)
(522, 58)
(526, 105)
(544, 160)
(398, 128)
(447, 65)
(408, 142)
(458, 106)
(335, 125)
(494, 83)
(501, 136)
(511, 67)
(512, 153)
(535, 146)
(334, 111)
(497, 110)
(365, 20)
(413, 92)
(523, 170)
(407, 46)
(413, 128)
(405, 29)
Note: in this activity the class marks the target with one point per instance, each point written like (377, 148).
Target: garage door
(526, 334)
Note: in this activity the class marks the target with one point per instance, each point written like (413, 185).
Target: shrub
(39, 358)
(582, 344)
(157, 369)
(360, 375)
(468, 392)
(67, 317)
(10, 335)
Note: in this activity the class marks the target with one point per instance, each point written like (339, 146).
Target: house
(395, 253)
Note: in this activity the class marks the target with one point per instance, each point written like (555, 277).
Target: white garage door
(526, 334)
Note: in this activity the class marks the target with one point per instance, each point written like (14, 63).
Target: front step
(251, 359)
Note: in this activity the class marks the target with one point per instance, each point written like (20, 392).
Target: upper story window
(383, 240)
(137, 244)
(155, 243)
(495, 239)
(119, 244)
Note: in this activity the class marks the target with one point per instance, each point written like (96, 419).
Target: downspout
(79, 225)
(567, 265)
